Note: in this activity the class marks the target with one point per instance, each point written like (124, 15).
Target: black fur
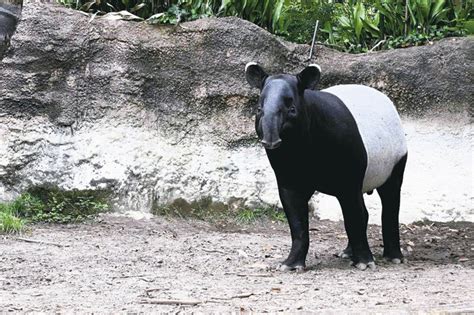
(313, 144)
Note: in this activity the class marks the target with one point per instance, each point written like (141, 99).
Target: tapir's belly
(380, 128)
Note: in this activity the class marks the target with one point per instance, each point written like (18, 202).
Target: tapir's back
(380, 128)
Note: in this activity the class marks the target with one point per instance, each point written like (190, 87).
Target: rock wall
(159, 113)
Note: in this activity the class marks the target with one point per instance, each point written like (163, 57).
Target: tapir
(343, 141)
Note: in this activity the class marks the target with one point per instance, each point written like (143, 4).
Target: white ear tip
(316, 66)
(250, 64)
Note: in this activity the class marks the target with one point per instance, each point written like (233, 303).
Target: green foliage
(59, 206)
(185, 10)
(418, 38)
(266, 13)
(362, 27)
(9, 220)
(209, 210)
(248, 215)
(299, 19)
(356, 27)
(202, 209)
(349, 25)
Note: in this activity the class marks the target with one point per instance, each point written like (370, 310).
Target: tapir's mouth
(272, 145)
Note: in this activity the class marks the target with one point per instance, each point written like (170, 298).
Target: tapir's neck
(306, 145)
(298, 143)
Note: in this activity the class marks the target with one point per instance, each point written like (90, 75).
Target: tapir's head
(280, 107)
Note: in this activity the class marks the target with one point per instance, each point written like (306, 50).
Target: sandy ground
(438, 183)
(118, 264)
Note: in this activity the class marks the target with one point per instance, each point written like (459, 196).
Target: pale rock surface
(158, 113)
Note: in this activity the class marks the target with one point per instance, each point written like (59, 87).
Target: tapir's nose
(271, 146)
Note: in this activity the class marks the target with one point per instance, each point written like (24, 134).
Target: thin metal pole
(314, 40)
(405, 28)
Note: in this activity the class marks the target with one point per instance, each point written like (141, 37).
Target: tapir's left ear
(309, 77)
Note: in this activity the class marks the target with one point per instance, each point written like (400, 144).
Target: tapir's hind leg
(390, 196)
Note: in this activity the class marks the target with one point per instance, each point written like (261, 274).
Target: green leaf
(344, 22)
(371, 27)
(138, 7)
(86, 6)
(225, 5)
(437, 8)
(359, 14)
(277, 13)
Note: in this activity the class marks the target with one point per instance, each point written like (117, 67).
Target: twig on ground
(28, 240)
(172, 302)
(213, 251)
(193, 302)
(243, 295)
(248, 274)
(254, 275)
(146, 280)
(141, 277)
(238, 296)
(153, 290)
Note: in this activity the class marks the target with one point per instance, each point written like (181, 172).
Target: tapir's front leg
(295, 205)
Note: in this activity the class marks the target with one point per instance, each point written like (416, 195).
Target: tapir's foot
(346, 253)
(364, 266)
(292, 264)
(363, 261)
(397, 261)
(286, 268)
(395, 257)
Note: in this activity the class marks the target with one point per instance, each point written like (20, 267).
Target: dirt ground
(118, 264)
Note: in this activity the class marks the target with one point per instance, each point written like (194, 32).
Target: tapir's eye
(292, 109)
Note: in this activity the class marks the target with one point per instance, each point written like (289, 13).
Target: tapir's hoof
(343, 255)
(286, 268)
(364, 266)
(346, 253)
(397, 261)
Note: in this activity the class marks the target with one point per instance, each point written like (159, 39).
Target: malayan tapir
(343, 141)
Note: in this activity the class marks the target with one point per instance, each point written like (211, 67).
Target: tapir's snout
(268, 129)
(271, 146)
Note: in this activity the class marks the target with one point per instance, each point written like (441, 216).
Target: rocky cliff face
(159, 113)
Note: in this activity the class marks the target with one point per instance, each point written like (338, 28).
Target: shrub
(299, 19)
(9, 220)
(209, 210)
(58, 206)
(248, 215)
(349, 25)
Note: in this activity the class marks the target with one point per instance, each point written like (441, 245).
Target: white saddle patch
(380, 128)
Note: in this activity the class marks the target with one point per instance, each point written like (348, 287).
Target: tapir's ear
(255, 75)
(309, 77)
